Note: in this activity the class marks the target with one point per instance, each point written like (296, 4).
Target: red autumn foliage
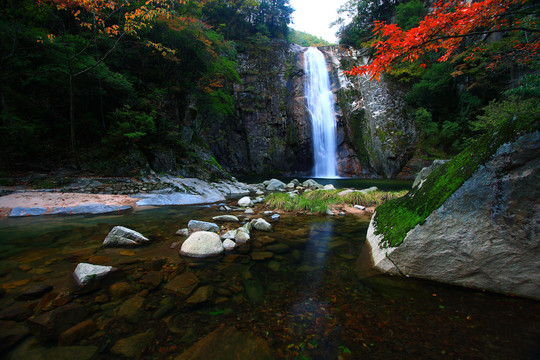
(444, 30)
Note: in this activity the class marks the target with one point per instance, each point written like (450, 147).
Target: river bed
(306, 289)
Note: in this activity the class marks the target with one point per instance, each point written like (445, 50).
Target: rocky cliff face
(270, 131)
(376, 124)
(486, 235)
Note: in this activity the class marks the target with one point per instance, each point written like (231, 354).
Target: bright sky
(315, 16)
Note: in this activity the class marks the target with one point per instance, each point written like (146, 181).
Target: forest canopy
(85, 80)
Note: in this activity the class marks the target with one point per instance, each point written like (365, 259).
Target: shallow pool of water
(306, 289)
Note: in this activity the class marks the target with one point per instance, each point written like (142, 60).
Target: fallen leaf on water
(127, 253)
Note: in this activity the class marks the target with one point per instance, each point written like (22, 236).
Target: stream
(309, 292)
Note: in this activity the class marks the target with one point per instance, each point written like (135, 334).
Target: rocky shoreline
(98, 196)
(101, 196)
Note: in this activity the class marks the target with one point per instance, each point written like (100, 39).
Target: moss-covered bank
(395, 218)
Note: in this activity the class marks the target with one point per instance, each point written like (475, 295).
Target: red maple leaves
(444, 29)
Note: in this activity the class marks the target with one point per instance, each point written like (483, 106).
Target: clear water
(320, 106)
(315, 298)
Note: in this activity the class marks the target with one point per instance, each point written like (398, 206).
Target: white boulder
(85, 273)
(202, 244)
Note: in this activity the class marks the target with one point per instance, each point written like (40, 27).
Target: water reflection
(313, 298)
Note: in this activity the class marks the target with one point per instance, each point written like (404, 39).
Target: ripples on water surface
(314, 297)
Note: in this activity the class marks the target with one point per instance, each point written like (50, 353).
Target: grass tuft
(319, 201)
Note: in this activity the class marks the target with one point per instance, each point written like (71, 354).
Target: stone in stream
(34, 292)
(329, 187)
(166, 306)
(249, 211)
(85, 273)
(183, 232)
(131, 308)
(261, 255)
(201, 295)
(202, 244)
(275, 185)
(121, 290)
(275, 217)
(182, 284)
(122, 236)
(227, 343)
(229, 245)
(49, 325)
(278, 248)
(203, 225)
(227, 218)
(229, 235)
(261, 225)
(77, 332)
(365, 191)
(134, 346)
(312, 184)
(11, 333)
(241, 236)
(62, 353)
(17, 312)
(274, 265)
(245, 202)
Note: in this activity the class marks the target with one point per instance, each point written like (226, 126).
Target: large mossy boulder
(474, 221)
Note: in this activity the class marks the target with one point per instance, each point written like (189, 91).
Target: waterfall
(320, 105)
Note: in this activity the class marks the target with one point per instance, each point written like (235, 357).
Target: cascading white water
(320, 105)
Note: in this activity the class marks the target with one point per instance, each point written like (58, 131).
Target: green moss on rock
(395, 218)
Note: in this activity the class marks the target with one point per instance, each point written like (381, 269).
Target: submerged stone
(201, 295)
(34, 291)
(227, 343)
(11, 333)
(134, 346)
(182, 284)
(122, 236)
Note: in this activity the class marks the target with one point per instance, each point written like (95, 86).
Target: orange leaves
(96, 15)
(444, 29)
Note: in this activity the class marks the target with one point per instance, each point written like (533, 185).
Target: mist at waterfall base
(320, 105)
